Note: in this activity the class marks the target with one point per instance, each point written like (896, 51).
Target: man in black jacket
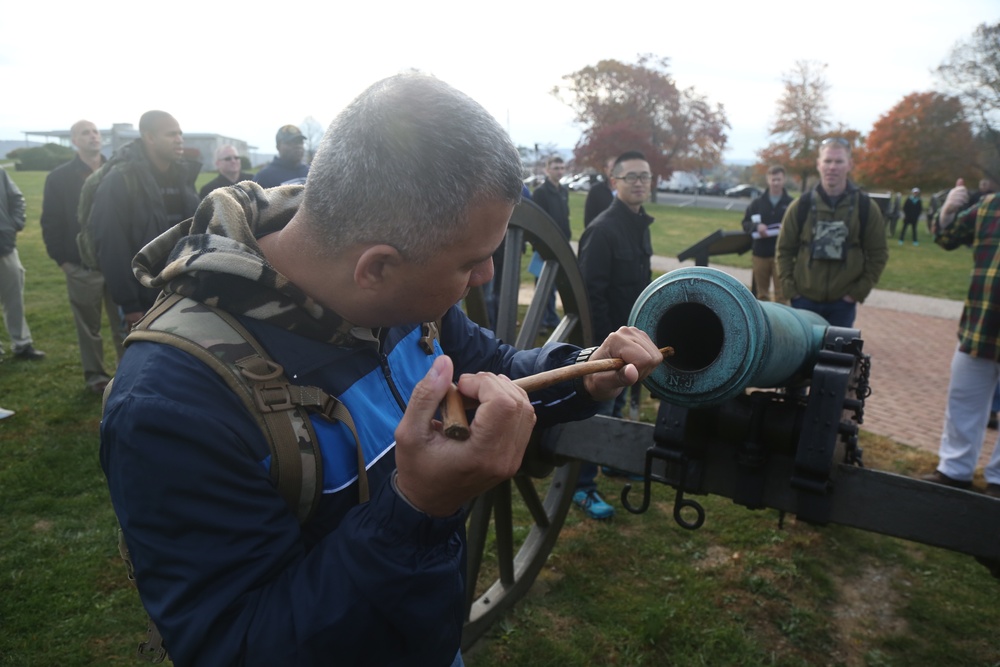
(615, 252)
(149, 190)
(762, 219)
(88, 294)
(600, 196)
(227, 161)
(553, 198)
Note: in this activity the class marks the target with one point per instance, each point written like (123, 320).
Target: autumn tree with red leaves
(639, 107)
(923, 141)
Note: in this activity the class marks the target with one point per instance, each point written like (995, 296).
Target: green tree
(972, 73)
(638, 106)
(41, 158)
(923, 141)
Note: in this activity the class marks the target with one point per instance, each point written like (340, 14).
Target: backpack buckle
(271, 392)
(272, 396)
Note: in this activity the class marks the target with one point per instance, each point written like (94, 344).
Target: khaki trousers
(765, 272)
(88, 296)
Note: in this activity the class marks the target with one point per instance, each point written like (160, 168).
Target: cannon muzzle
(724, 339)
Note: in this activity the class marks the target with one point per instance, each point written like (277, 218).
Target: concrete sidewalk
(911, 340)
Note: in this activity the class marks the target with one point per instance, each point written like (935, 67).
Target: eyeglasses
(632, 177)
(840, 141)
(230, 158)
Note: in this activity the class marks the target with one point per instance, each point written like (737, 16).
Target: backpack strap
(280, 408)
(806, 204)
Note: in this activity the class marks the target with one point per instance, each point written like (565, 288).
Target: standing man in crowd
(553, 198)
(832, 246)
(287, 166)
(227, 161)
(762, 219)
(975, 366)
(88, 294)
(600, 196)
(335, 280)
(148, 189)
(912, 208)
(12, 219)
(615, 252)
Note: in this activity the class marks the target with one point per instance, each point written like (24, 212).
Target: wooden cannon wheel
(512, 529)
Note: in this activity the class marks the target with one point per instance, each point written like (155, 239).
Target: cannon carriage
(761, 404)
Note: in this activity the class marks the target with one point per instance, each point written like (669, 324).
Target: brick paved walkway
(911, 363)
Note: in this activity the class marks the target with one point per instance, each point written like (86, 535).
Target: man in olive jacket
(832, 260)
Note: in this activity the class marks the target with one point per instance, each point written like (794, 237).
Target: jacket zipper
(387, 372)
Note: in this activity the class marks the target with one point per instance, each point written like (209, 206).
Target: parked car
(534, 181)
(743, 190)
(582, 182)
(712, 188)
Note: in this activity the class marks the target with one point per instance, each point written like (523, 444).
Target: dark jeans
(838, 313)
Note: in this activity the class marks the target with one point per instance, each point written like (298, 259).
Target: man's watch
(582, 357)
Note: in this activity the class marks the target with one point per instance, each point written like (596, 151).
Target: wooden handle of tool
(456, 426)
(453, 421)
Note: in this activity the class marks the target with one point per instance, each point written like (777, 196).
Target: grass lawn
(635, 591)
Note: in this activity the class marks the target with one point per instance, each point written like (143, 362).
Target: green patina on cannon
(724, 339)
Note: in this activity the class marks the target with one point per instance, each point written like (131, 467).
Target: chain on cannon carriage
(759, 403)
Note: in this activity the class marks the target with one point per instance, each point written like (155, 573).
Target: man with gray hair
(352, 290)
(229, 164)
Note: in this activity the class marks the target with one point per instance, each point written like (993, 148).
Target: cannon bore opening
(696, 334)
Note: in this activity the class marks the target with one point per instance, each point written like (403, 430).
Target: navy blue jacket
(279, 172)
(223, 567)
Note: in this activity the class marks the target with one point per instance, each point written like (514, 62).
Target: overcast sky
(241, 71)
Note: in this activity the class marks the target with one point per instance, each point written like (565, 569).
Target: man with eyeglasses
(832, 244)
(615, 252)
(227, 161)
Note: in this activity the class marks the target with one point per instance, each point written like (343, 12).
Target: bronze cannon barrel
(724, 339)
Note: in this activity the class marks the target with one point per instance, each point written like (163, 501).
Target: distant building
(200, 146)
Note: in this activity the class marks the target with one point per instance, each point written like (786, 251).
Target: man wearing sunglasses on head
(832, 247)
(227, 161)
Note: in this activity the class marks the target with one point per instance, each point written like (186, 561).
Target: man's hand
(636, 349)
(762, 230)
(437, 474)
(957, 198)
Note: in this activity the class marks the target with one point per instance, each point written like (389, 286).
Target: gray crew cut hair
(404, 163)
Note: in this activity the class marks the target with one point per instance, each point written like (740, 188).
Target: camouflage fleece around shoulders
(214, 258)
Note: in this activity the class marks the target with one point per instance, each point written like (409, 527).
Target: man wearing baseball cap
(287, 167)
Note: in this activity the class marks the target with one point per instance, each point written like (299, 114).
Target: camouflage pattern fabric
(214, 258)
(830, 240)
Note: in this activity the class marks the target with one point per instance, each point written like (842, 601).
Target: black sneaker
(29, 353)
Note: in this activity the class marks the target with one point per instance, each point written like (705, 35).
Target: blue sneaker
(593, 505)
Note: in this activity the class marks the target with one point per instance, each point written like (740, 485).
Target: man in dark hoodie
(148, 190)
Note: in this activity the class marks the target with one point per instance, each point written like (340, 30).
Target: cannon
(761, 404)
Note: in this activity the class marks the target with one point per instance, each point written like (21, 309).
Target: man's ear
(376, 266)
